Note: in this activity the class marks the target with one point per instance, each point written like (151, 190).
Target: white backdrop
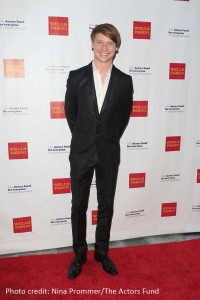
(158, 189)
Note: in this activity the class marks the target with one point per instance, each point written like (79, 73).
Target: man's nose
(104, 47)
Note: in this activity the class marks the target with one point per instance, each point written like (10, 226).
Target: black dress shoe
(75, 267)
(107, 264)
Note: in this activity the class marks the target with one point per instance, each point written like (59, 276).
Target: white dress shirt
(100, 86)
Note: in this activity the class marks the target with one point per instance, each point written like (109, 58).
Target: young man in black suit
(98, 104)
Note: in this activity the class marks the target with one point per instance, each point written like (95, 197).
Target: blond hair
(108, 30)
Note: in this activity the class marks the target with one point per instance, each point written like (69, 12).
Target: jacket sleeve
(126, 108)
(71, 103)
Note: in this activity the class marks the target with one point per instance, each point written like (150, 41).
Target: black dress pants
(81, 178)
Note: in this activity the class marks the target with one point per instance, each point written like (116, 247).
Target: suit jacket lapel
(92, 89)
(110, 90)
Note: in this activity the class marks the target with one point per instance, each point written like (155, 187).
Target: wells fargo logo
(168, 209)
(173, 143)
(22, 225)
(14, 68)
(198, 176)
(177, 71)
(57, 110)
(137, 180)
(141, 30)
(61, 185)
(18, 150)
(139, 109)
(58, 26)
(94, 217)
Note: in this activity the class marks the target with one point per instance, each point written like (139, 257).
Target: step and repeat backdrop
(158, 189)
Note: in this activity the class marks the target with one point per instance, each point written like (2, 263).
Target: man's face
(104, 48)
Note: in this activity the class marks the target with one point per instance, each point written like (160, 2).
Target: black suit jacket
(93, 131)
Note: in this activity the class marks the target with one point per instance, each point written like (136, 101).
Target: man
(98, 104)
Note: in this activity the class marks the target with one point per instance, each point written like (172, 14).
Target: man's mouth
(104, 54)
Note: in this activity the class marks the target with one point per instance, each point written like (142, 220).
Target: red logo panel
(58, 26)
(168, 209)
(61, 185)
(173, 143)
(18, 150)
(14, 68)
(57, 110)
(141, 30)
(22, 225)
(94, 217)
(137, 180)
(198, 176)
(139, 109)
(177, 71)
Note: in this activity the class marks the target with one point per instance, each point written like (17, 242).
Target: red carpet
(166, 272)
